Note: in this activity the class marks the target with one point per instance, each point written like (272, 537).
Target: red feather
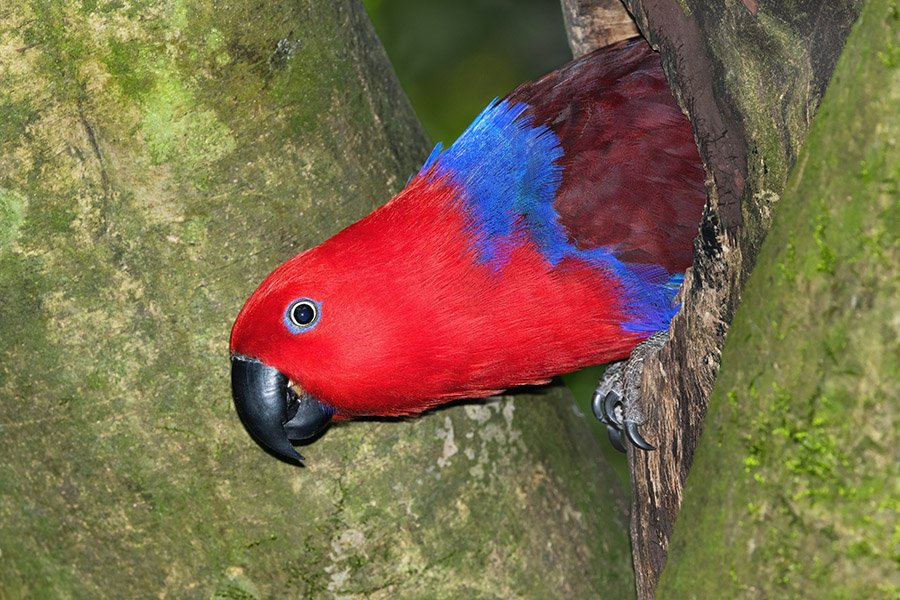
(411, 318)
(406, 325)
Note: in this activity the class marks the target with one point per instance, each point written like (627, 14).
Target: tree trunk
(156, 163)
(793, 491)
(592, 24)
(750, 77)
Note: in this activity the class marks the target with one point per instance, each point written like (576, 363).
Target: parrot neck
(466, 284)
(457, 326)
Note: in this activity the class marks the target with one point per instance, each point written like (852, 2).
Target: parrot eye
(301, 315)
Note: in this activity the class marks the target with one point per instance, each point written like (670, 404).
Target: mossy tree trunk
(157, 159)
(793, 490)
(751, 76)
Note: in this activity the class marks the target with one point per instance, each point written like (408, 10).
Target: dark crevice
(106, 186)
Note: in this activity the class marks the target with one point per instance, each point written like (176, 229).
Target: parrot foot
(610, 409)
(615, 401)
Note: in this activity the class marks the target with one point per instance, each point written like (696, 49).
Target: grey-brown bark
(750, 77)
(592, 24)
(157, 161)
(792, 492)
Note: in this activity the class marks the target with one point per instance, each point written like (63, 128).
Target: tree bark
(792, 493)
(592, 24)
(156, 163)
(750, 78)
(751, 81)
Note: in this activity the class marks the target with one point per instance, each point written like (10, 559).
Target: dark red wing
(632, 177)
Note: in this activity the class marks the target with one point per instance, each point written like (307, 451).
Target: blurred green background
(455, 56)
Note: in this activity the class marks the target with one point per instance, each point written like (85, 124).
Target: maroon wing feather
(632, 177)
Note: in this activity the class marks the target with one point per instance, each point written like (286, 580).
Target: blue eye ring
(302, 315)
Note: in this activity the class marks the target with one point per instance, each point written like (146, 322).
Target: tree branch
(592, 24)
(232, 136)
(750, 82)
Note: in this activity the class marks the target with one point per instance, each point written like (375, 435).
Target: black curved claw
(615, 438)
(609, 409)
(598, 407)
(635, 437)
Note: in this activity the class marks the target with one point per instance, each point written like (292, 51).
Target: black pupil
(303, 313)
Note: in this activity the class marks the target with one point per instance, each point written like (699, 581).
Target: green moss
(179, 16)
(176, 129)
(15, 115)
(62, 47)
(798, 455)
(127, 63)
(215, 42)
(826, 256)
(11, 210)
(787, 267)
(161, 187)
(236, 586)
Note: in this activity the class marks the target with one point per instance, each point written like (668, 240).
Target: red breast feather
(410, 319)
(470, 281)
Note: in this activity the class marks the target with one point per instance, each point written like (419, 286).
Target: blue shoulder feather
(508, 173)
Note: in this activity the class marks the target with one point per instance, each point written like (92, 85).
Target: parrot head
(274, 336)
(323, 338)
(300, 351)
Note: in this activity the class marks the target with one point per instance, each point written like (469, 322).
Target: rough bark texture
(750, 77)
(157, 159)
(793, 490)
(592, 24)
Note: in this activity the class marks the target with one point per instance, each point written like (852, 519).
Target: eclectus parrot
(552, 235)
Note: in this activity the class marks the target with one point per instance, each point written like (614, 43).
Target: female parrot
(551, 235)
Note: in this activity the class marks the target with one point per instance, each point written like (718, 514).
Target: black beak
(271, 410)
